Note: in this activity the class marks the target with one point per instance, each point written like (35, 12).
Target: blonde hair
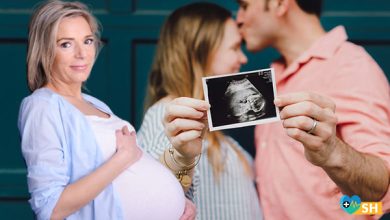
(42, 37)
(188, 39)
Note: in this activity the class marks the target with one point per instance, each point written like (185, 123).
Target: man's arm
(353, 172)
(357, 173)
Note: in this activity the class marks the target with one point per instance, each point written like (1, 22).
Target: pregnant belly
(147, 190)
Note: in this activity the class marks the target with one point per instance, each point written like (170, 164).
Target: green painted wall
(119, 76)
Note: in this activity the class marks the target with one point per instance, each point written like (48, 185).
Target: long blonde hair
(187, 41)
(42, 37)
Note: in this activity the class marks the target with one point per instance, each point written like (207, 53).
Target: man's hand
(310, 119)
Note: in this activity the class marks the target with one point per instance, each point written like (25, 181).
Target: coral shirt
(289, 186)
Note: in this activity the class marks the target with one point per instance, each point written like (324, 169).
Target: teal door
(119, 76)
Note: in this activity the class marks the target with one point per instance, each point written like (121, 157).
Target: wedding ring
(311, 130)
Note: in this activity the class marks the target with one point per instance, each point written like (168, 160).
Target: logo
(350, 205)
(353, 205)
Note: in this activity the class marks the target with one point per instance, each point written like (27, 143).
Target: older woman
(83, 162)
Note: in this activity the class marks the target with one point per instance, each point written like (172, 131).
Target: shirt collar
(323, 48)
(327, 45)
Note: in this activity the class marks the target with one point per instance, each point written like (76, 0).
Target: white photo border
(240, 124)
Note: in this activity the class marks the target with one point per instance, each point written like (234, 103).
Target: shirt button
(263, 145)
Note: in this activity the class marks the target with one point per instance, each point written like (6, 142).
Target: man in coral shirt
(334, 137)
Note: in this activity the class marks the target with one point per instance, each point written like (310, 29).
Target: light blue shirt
(59, 148)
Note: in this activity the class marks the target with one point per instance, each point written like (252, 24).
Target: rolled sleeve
(364, 110)
(45, 185)
(43, 141)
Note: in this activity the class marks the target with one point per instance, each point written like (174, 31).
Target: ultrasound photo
(241, 99)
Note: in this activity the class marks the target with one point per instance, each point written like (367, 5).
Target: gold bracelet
(181, 175)
(171, 151)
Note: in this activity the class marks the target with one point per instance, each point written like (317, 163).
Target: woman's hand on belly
(126, 145)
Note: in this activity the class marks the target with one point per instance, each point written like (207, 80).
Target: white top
(147, 190)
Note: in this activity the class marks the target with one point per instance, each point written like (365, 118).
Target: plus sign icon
(346, 204)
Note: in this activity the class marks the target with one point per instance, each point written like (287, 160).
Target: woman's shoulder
(42, 94)
(42, 97)
(153, 116)
(232, 140)
(158, 108)
(166, 99)
(152, 119)
(42, 103)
